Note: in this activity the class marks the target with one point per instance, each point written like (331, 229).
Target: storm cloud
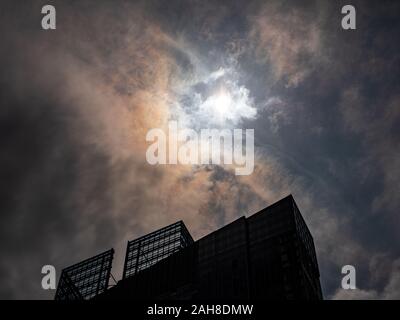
(77, 102)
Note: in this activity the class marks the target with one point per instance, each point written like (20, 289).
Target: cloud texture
(76, 105)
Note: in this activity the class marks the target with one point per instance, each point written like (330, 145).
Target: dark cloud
(77, 102)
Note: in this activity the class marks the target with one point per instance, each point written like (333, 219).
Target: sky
(76, 104)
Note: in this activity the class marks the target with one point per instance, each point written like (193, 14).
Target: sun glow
(219, 106)
(216, 101)
(222, 104)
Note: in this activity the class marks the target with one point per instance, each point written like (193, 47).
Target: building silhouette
(146, 251)
(86, 279)
(269, 255)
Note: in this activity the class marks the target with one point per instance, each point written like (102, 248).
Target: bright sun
(222, 103)
(226, 106)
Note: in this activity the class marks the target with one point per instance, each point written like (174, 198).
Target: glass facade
(223, 264)
(85, 279)
(146, 251)
(269, 255)
(281, 249)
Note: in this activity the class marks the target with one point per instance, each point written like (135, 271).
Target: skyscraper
(269, 255)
